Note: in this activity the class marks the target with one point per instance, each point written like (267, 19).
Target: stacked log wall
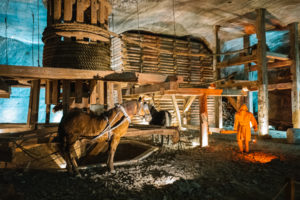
(196, 71)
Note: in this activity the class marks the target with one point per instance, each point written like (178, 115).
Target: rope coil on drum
(77, 46)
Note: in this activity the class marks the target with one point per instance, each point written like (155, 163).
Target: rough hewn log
(203, 121)
(295, 70)
(262, 73)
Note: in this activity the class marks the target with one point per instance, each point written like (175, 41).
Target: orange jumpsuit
(242, 126)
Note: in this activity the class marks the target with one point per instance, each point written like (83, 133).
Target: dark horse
(110, 126)
(160, 118)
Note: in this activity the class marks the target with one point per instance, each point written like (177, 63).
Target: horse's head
(143, 109)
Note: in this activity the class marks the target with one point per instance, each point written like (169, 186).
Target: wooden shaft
(203, 120)
(33, 109)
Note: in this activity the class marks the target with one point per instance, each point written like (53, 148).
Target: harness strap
(124, 113)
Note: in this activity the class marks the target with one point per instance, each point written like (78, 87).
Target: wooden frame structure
(265, 61)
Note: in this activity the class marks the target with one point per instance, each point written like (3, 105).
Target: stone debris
(216, 172)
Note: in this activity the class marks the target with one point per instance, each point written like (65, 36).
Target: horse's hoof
(112, 171)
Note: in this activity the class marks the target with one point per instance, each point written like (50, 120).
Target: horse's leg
(73, 160)
(115, 140)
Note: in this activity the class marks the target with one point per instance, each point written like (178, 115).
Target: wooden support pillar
(100, 92)
(177, 111)
(119, 92)
(94, 10)
(203, 121)
(78, 91)
(55, 92)
(295, 71)
(66, 96)
(110, 95)
(80, 9)
(48, 92)
(217, 75)
(262, 74)
(290, 189)
(33, 109)
(93, 92)
(246, 43)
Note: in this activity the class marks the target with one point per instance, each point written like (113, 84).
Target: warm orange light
(258, 157)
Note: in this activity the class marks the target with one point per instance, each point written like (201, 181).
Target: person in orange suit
(242, 121)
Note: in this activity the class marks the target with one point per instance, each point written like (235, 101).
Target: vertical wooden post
(33, 109)
(246, 42)
(290, 189)
(262, 74)
(177, 111)
(295, 70)
(93, 92)
(100, 92)
(110, 95)
(66, 96)
(78, 91)
(55, 92)
(218, 100)
(203, 120)
(119, 91)
(48, 99)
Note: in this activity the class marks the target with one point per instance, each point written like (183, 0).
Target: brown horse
(77, 125)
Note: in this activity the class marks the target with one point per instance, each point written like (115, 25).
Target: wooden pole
(177, 111)
(203, 121)
(119, 91)
(110, 95)
(246, 43)
(48, 100)
(218, 100)
(262, 74)
(33, 109)
(66, 96)
(295, 70)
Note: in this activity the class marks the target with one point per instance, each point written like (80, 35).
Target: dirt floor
(215, 172)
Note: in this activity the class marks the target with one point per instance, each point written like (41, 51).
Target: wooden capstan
(76, 35)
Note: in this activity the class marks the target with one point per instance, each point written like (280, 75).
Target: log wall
(196, 71)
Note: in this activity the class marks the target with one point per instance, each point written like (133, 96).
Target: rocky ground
(215, 172)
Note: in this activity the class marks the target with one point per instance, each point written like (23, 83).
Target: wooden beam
(194, 91)
(262, 73)
(277, 56)
(188, 103)
(246, 44)
(240, 83)
(237, 61)
(203, 121)
(33, 109)
(73, 74)
(177, 111)
(233, 102)
(274, 65)
(295, 70)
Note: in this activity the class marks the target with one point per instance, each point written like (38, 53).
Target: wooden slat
(188, 103)
(55, 92)
(100, 92)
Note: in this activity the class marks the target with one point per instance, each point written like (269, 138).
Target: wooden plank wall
(195, 70)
